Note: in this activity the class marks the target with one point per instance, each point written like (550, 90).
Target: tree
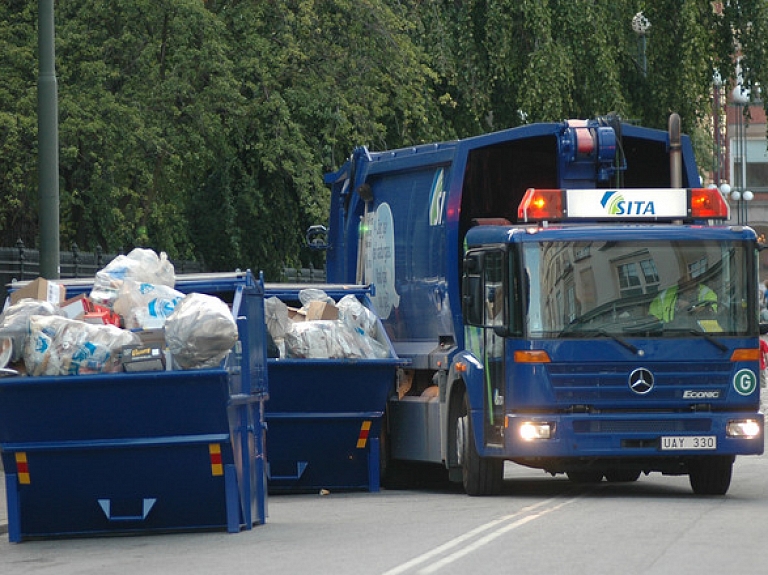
(501, 63)
(319, 78)
(18, 122)
(147, 103)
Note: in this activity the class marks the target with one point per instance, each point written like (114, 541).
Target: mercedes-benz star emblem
(641, 381)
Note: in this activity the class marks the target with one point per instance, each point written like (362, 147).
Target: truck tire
(710, 475)
(480, 475)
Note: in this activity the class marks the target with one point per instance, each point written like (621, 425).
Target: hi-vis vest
(663, 305)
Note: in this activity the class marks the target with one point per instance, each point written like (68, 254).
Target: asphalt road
(540, 524)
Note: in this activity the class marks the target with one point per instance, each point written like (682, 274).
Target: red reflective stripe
(362, 439)
(22, 468)
(214, 450)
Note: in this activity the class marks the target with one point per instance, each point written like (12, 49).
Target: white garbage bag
(61, 346)
(140, 265)
(200, 331)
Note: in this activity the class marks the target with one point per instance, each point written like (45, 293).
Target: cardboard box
(143, 358)
(76, 307)
(321, 310)
(41, 289)
(295, 314)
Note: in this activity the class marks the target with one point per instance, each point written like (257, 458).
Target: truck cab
(612, 348)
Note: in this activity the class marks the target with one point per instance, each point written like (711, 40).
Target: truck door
(484, 312)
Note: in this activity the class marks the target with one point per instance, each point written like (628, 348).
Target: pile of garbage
(323, 328)
(133, 319)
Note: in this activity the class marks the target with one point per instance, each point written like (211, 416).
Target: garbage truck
(567, 297)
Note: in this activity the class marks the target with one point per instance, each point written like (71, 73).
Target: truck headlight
(748, 428)
(530, 430)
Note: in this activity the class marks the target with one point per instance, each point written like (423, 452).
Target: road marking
(499, 526)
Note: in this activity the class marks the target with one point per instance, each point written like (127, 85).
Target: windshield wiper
(689, 330)
(718, 344)
(618, 340)
(602, 332)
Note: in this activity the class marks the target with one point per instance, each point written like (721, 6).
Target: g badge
(744, 382)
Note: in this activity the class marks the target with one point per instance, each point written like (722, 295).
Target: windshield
(614, 288)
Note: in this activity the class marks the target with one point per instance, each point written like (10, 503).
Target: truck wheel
(480, 475)
(622, 475)
(585, 476)
(711, 475)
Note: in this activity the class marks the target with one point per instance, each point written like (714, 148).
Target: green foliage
(18, 121)
(203, 128)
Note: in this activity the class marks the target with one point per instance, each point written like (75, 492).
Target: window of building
(638, 277)
(757, 165)
(695, 269)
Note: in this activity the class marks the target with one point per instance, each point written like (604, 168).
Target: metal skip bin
(141, 452)
(324, 416)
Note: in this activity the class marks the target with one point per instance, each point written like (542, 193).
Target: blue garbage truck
(568, 297)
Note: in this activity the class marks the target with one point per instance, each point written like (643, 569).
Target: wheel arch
(459, 383)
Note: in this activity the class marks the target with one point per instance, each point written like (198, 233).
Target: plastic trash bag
(145, 305)
(200, 331)
(278, 322)
(61, 346)
(14, 322)
(276, 315)
(356, 316)
(6, 349)
(330, 339)
(140, 265)
(314, 294)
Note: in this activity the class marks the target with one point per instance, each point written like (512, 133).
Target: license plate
(686, 442)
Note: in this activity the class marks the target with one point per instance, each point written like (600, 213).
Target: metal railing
(302, 275)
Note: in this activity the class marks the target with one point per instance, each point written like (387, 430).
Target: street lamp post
(640, 26)
(742, 200)
(717, 129)
(48, 144)
(740, 194)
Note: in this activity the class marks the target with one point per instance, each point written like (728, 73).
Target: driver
(667, 302)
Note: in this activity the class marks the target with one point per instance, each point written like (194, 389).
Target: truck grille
(596, 384)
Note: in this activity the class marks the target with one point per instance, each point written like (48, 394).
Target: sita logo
(616, 205)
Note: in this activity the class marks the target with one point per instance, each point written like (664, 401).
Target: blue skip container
(324, 416)
(142, 452)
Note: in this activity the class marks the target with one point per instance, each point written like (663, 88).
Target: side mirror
(317, 238)
(472, 300)
(501, 330)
